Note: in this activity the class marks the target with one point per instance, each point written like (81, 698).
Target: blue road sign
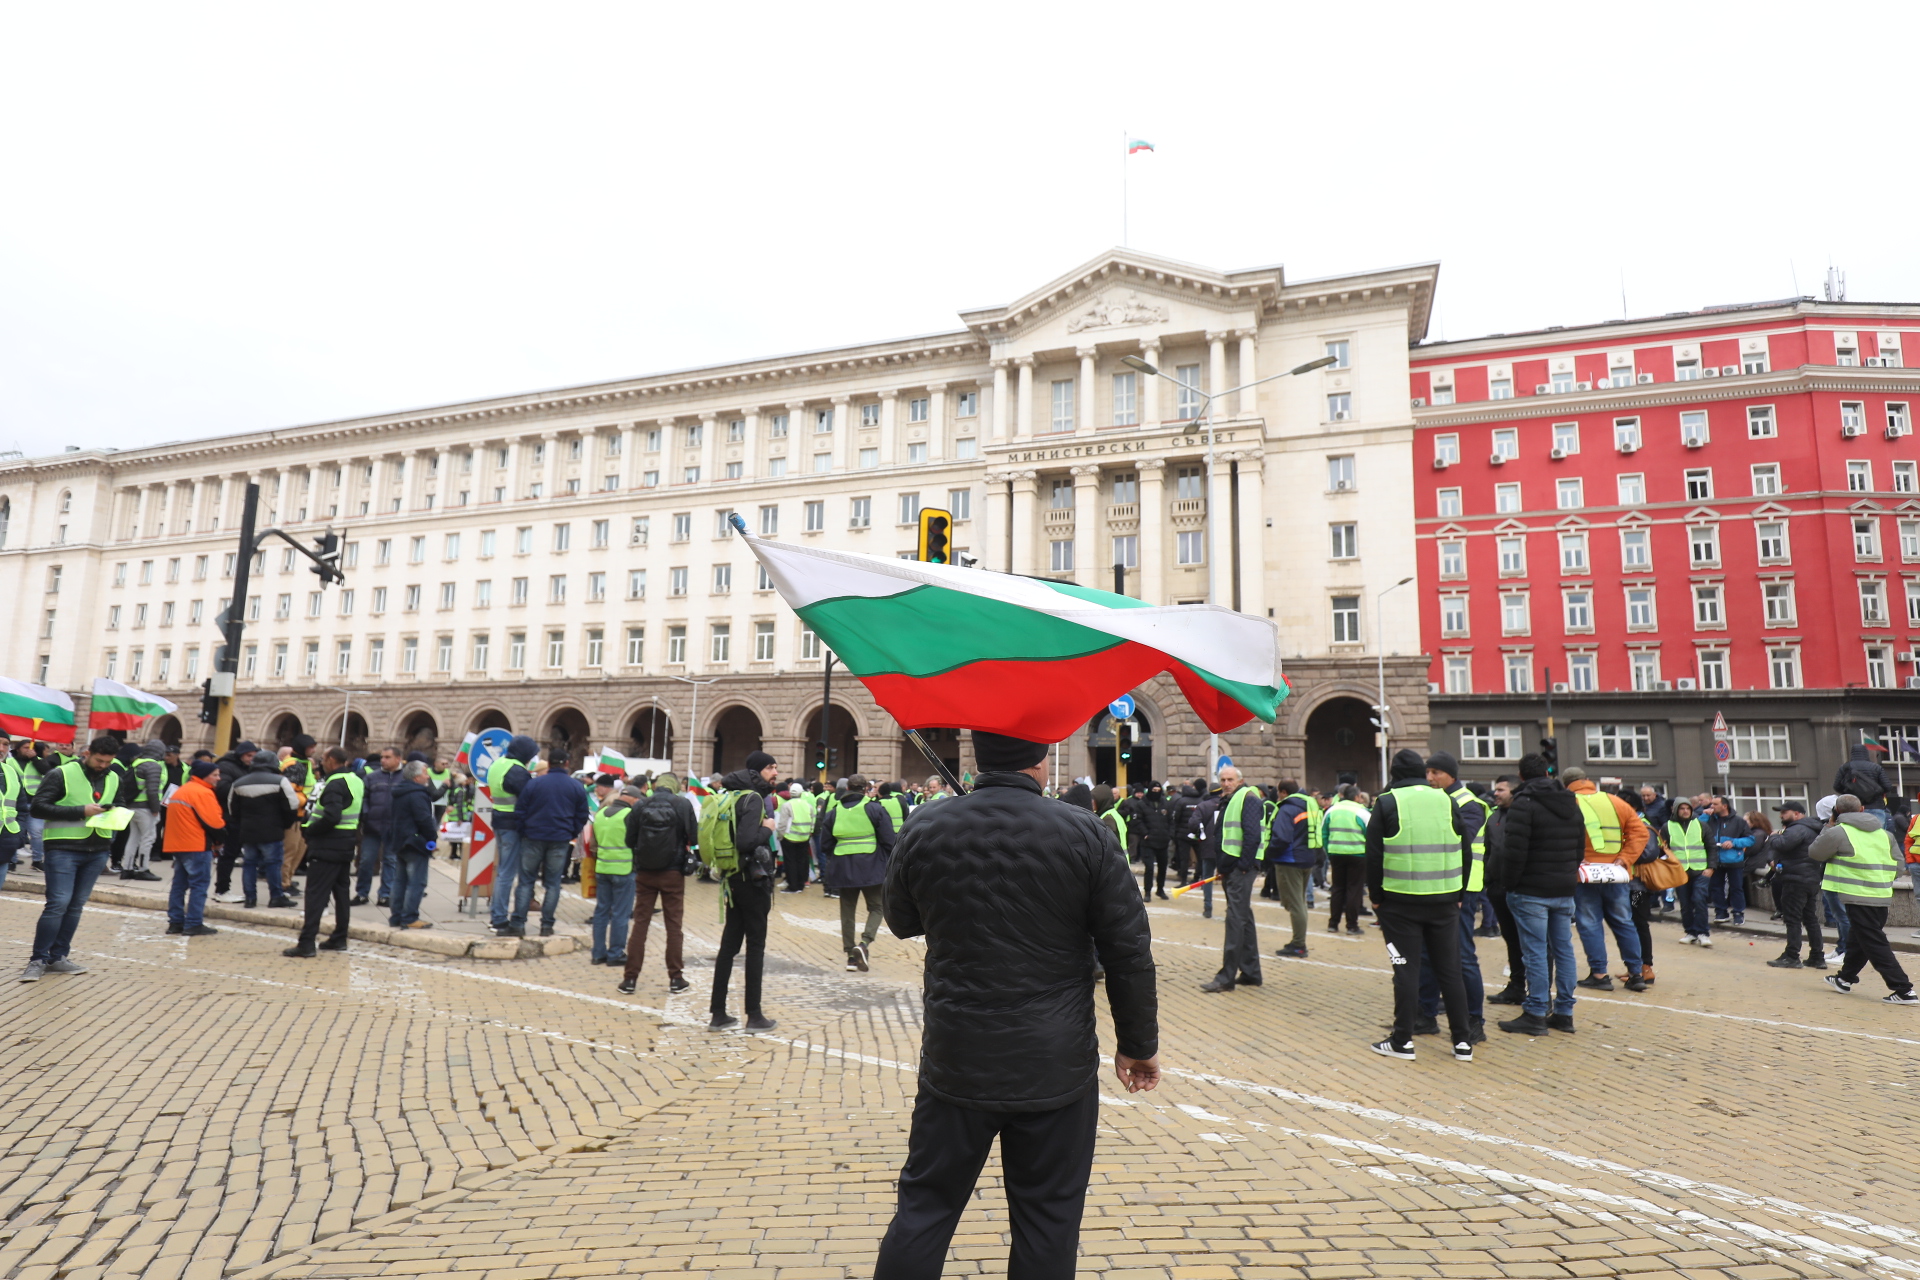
(488, 747)
(1121, 708)
(1226, 762)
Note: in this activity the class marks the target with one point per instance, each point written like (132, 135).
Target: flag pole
(939, 765)
(1124, 143)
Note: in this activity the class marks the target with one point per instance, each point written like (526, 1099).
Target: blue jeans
(1695, 920)
(1592, 903)
(70, 877)
(409, 886)
(36, 836)
(1206, 890)
(261, 864)
(374, 855)
(612, 913)
(1469, 966)
(544, 860)
(1837, 917)
(1546, 940)
(506, 874)
(1729, 888)
(187, 895)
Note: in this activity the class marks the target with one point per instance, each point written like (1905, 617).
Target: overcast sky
(221, 218)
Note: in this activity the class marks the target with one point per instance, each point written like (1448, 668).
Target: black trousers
(796, 857)
(1412, 923)
(1867, 943)
(1640, 906)
(223, 864)
(1153, 869)
(747, 911)
(1509, 934)
(1800, 909)
(1349, 889)
(1046, 1157)
(326, 880)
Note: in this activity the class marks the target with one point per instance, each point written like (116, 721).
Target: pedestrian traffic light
(936, 532)
(326, 558)
(209, 705)
(819, 756)
(1550, 752)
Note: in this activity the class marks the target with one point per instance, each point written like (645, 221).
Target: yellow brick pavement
(194, 1110)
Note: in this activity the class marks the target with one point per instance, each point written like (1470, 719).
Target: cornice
(1651, 330)
(1121, 266)
(1739, 386)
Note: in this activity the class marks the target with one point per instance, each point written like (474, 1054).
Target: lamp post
(1202, 421)
(693, 725)
(1380, 670)
(344, 715)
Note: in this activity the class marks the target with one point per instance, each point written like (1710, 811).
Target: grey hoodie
(1834, 843)
(150, 771)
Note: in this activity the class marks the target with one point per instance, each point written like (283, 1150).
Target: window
(1706, 607)
(1573, 552)
(870, 415)
(815, 517)
(166, 614)
(683, 526)
(1761, 744)
(690, 475)
(1630, 490)
(596, 586)
(869, 457)
(1853, 416)
(1061, 555)
(1448, 503)
(146, 575)
(1566, 437)
(193, 666)
(1693, 427)
(1339, 406)
(311, 656)
(860, 513)
(1903, 479)
(1060, 495)
(1519, 673)
(822, 422)
(1712, 664)
(648, 480)
(1639, 608)
(253, 608)
(1699, 482)
(379, 601)
(1062, 418)
(909, 508)
(966, 447)
(443, 653)
(1873, 603)
(602, 532)
(1766, 479)
(1582, 673)
(489, 540)
(446, 595)
(1442, 388)
(1513, 556)
(1187, 398)
(1338, 349)
(557, 588)
(1859, 476)
(250, 660)
(1866, 539)
(1897, 421)
(777, 426)
(1760, 424)
(1514, 619)
(523, 541)
(1490, 742)
(1777, 600)
(636, 645)
(720, 648)
(723, 523)
(416, 552)
(279, 661)
(967, 404)
(763, 642)
(776, 467)
(173, 570)
(516, 650)
(1126, 410)
(481, 650)
(809, 645)
(1447, 449)
(1453, 615)
(196, 609)
(1703, 544)
(1686, 369)
(120, 574)
(736, 432)
(1506, 498)
(1753, 362)
(517, 591)
(677, 581)
(1879, 667)
(696, 435)
(1773, 540)
(1190, 547)
(1619, 742)
(1346, 619)
(1453, 559)
(1783, 668)
(1457, 674)
(1910, 539)
(1569, 495)
(1126, 550)
(916, 452)
(722, 579)
(1500, 388)
(1345, 541)
(960, 503)
(282, 606)
(636, 584)
(1189, 483)
(596, 647)
(556, 648)
(1506, 443)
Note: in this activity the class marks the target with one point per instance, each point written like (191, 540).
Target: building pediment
(1125, 294)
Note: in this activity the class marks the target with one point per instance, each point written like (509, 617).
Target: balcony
(1059, 518)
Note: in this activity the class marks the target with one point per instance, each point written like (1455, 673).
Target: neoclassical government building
(560, 562)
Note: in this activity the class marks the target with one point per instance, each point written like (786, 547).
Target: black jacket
(45, 809)
(1156, 821)
(229, 771)
(1542, 844)
(751, 837)
(1385, 821)
(325, 841)
(1020, 898)
(858, 870)
(1180, 813)
(1864, 778)
(260, 804)
(1789, 848)
(410, 824)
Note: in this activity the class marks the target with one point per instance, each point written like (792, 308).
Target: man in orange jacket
(1614, 840)
(193, 816)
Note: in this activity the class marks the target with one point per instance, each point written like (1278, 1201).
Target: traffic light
(936, 536)
(1550, 752)
(209, 705)
(326, 555)
(819, 757)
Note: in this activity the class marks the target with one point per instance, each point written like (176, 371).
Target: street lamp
(694, 724)
(1200, 421)
(344, 715)
(1380, 670)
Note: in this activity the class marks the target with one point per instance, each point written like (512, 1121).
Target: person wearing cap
(77, 849)
(230, 768)
(299, 769)
(747, 892)
(793, 825)
(1835, 909)
(148, 800)
(857, 836)
(1796, 885)
(1615, 838)
(194, 824)
(1418, 861)
(333, 838)
(1020, 900)
(1861, 862)
(606, 868)
(1443, 773)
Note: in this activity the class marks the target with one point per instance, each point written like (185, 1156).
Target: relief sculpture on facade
(1110, 312)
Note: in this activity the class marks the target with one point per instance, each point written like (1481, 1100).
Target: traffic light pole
(826, 718)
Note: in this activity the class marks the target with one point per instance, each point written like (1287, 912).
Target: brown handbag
(1663, 873)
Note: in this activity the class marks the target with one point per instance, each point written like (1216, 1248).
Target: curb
(445, 944)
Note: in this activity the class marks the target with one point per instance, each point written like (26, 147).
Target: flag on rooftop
(35, 711)
(940, 646)
(1138, 144)
(122, 707)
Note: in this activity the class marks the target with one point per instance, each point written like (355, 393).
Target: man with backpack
(552, 810)
(736, 843)
(659, 830)
(1294, 849)
(856, 839)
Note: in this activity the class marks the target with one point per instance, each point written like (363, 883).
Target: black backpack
(657, 845)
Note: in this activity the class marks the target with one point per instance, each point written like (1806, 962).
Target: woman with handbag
(1655, 871)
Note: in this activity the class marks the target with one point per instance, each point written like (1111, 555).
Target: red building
(1707, 511)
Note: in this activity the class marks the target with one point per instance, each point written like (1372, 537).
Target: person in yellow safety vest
(794, 825)
(1443, 774)
(332, 830)
(69, 801)
(1344, 835)
(1418, 861)
(894, 799)
(1862, 862)
(1243, 847)
(1106, 806)
(1615, 837)
(937, 790)
(1293, 849)
(15, 800)
(856, 839)
(1685, 837)
(35, 761)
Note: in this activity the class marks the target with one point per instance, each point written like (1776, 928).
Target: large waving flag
(942, 646)
(35, 711)
(123, 707)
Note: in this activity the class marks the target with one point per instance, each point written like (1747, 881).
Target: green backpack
(718, 813)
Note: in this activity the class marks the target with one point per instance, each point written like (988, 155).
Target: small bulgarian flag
(694, 788)
(35, 711)
(612, 762)
(464, 757)
(940, 646)
(122, 707)
(1138, 144)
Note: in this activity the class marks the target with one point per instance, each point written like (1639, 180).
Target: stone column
(846, 449)
(511, 483)
(1000, 425)
(889, 427)
(750, 451)
(1149, 383)
(629, 468)
(1217, 372)
(1153, 519)
(936, 421)
(1024, 555)
(193, 505)
(1084, 399)
(1086, 516)
(141, 509)
(550, 470)
(1025, 426)
(1253, 529)
(990, 531)
(1249, 400)
(799, 438)
(710, 447)
(448, 484)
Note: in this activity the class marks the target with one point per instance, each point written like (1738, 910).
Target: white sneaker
(1463, 1052)
(1903, 997)
(1704, 940)
(1693, 939)
(233, 896)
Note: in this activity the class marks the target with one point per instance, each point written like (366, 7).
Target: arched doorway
(234, 736)
(420, 732)
(1340, 740)
(843, 751)
(567, 731)
(283, 729)
(736, 735)
(354, 740)
(491, 718)
(167, 729)
(914, 766)
(651, 734)
(1137, 749)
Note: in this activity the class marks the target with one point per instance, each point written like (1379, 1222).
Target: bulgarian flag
(941, 646)
(464, 757)
(612, 762)
(122, 707)
(1138, 144)
(35, 711)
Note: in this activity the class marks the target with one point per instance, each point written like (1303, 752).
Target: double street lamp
(1202, 421)
(1380, 671)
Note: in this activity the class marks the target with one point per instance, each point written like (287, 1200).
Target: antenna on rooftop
(1836, 285)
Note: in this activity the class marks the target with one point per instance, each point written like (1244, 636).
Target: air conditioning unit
(1709, 372)
(1498, 459)
(1729, 370)
(1419, 402)
(1874, 362)
(1852, 429)
(1559, 686)
(1341, 416)
(1913, 682)
(1906, 655)
(1341, 486)
(1543, 389)
(1629, 446)
(1685, 682)
(1662, 686)
(1441, 464)
(1695, 442)
(1557, 454)
(1644, 379)
(1894, 433)
(1433, 687)
(1583, 386)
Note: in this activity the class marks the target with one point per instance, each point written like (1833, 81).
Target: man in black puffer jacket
(1543, 843)
(1796, 886)
(1019, 898)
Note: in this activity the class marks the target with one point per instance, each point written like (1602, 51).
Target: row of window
(1751, 743)
(1642, 614)
(1711, 671)
(1694, 431)
(1189, 549)
(1771, 537)
(1630, 487)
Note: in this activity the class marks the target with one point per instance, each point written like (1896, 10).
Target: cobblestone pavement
(211, 1108)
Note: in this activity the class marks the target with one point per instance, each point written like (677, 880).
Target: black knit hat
(998, 753)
